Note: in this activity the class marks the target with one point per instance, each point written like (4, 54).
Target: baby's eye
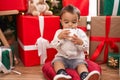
(66, 22)
(74, 22)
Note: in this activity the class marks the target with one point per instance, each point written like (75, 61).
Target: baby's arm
(82, 42)
(55, 43)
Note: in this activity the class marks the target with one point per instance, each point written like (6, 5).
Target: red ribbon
(83, 28)
(105, 42)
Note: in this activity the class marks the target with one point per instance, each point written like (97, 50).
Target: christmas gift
(104, 37)
(86, 7)
(6, 58)
(113, 60)
(20, 5)
(83, 23)
(32, 30)
(109, 7)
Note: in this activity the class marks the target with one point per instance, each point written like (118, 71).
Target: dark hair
(70, 8)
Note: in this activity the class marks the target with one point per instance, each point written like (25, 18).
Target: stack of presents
(101, 18)
(6, 50)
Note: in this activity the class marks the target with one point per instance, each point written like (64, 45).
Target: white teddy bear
(38, 7)
(68, 47)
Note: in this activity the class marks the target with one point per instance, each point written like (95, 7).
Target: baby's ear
(60, 20)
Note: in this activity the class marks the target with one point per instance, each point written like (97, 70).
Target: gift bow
(41, 43)
(105, 42)
(112, 62)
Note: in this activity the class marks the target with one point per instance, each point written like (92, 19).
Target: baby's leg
(58, 65)
(82, 68)
(85, 75)
(61, 73)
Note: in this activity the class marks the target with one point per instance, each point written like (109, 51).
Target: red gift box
(104, 37)
(86, 7)
(20, 5)
(28, 32)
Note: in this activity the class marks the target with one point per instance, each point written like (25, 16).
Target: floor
(35, 73)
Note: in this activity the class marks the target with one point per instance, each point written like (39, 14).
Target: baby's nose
(70, 23)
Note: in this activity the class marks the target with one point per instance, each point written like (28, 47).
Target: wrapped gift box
(109, 7)
(86, 7)
(28, 32)
(113, 60)
(20, 5)
(6, 59)
(83, 24)
(104, 37)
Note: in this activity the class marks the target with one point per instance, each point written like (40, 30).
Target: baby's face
(69, 20)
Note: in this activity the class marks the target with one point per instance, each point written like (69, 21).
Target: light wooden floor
(35, 73)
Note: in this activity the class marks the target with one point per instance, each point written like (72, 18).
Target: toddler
(71, 47)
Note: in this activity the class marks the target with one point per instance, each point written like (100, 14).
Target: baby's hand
(64, 34)
(76, 40)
